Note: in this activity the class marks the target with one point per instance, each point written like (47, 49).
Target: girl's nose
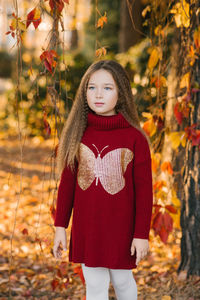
(99, 93)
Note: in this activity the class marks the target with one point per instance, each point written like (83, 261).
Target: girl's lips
(99, 103)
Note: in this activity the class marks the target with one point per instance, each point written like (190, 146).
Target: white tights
(98, 279)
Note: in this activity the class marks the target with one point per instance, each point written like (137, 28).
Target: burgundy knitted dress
(110, 194)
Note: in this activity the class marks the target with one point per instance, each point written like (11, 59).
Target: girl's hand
(59, 238)
(141, 246)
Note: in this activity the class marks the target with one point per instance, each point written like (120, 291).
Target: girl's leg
(97, 282)
(124, 284)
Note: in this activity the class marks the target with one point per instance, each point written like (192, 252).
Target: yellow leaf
(13, 24)
(147, 115)
(155, 161)
(35, 179)
(30, 71)
(166, 166)
(22, 36)
(149, 127)
(185, 80)
(177, 204)
(163, 81)
(192, 55)
(156, 53)
(37, 14)
(183, 140)
(166, 297)
(176, 219)
(160, 81)
(21, 26)
(101, 51)
(162, 195)
(157, 30)
(181, 14)
(176, 138)
(144, 12)
(174, 198)
(18, 23)
(101, 21)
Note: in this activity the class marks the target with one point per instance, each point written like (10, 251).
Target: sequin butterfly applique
(108, 169)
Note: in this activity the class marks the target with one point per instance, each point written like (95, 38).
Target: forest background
(45, 47)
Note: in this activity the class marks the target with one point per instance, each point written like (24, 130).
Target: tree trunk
(190, 212)
(167, 153)
(128, 36)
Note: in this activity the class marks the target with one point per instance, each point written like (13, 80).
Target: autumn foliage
(166, 209)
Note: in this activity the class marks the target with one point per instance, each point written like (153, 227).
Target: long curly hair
(75, 125)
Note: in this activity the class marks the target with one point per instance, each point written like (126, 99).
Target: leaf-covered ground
(30, 271)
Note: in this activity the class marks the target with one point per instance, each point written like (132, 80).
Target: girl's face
(102, 93)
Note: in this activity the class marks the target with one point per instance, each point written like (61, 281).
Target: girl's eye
(107, 88)
(90, 87)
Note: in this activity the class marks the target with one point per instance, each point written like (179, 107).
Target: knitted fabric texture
(110, 194)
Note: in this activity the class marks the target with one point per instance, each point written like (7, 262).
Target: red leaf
(163, 225)
(171, 208)
(178, 113)
(195, 90)
(8, 32)
(156, 210)
(63, 268)
(157, 205)
(59, 274)
(53, 212)
(52, 4)
(53, 53)
(157, 224)
(193, 134)
(163, 235)
(78, 271)
(25, 231)
(167, 222)
(160, 123)
(48, 66)
(47, 127)
(60, 5)
(33, 17)
(36, 23)
(30, 17)
(48, 58)
(56, 4)
(54, 284)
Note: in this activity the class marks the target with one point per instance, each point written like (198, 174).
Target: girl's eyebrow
(104, 83)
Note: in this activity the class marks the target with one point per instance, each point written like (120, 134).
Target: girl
(104, 162)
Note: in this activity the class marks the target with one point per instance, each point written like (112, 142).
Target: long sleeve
(65, 197)
(142, 174)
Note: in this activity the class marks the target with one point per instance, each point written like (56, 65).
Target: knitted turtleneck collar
(107, 122)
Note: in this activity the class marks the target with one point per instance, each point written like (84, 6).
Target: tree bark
(190, 212)
(128, 36)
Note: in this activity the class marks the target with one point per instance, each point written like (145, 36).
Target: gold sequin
(108, 170)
